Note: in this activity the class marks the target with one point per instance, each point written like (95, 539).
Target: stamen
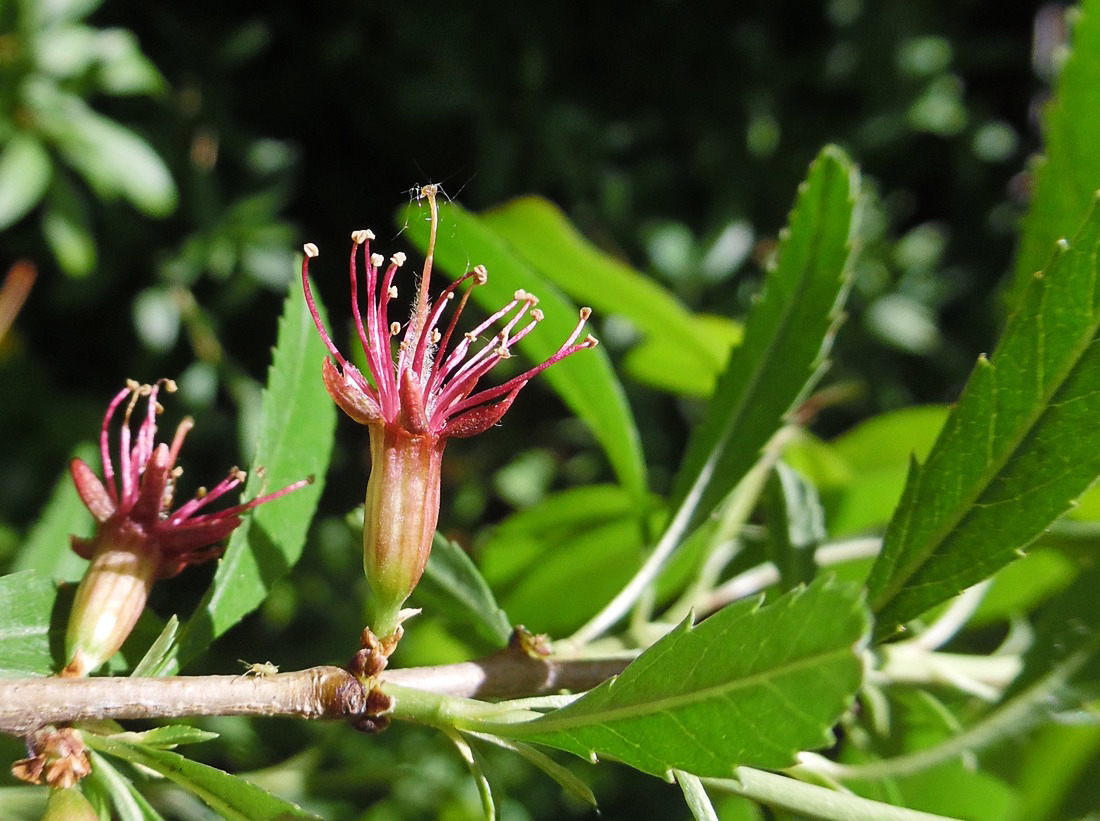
(395, 328)
(310, 249)
(398, 259)
(361, 236)
(376, 260)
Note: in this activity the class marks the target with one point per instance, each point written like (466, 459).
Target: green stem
(809, 800)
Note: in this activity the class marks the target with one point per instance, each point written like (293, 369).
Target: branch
(316, 692)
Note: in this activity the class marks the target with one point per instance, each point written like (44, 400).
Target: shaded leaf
(295, 441)
(787, 336)
(586, 383)
(126, 802)
(1018, 448)
(226, 794)
(67, 229)
(453, 586)
(749, 685)
(27, 606)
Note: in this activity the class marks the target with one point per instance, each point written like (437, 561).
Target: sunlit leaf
(749, 685)
(1021, 444)
(295, 441)
(25, 170)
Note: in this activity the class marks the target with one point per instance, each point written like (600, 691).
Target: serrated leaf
(47, 549)
(226, 794)
(453, 586)
(787, 336)
(796, 525)
(1018, 448)
(1069, 172)
(691, 352)
(28, 603)
(749, 685)
(295, 441)
(586, 382)
(25, 170)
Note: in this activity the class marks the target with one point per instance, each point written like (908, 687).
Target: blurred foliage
(160, 163)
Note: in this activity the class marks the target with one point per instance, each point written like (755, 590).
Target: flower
(138, 537)
(413, 405)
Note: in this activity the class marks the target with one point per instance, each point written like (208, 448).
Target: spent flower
(417, 398)
(139, 538)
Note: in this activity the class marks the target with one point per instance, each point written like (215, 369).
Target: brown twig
(316, 692)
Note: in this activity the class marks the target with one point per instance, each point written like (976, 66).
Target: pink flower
(414, 403)
(139, 538)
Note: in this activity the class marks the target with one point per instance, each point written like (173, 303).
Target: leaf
(166, 737)
(160, 652)
(47, 549)
(1018, 448)
(586, 382)
(693, 349)
(552, 563)
(562, 775)
(128, 804)
(787, 336)
(226, 794)
(28, 603)
(749, 685)
(1066, 177)
(295, 441)
(111, 158)
(860, 475)
(25, 171)
(67, 229)
(795, 525)
(658, 363)
(453, 586)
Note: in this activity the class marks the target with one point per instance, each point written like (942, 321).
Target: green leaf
(67, 229)
(166, 737)
(586, 382)
(696, 796)
(749, 685)
(226, 794)
(787, 336)
(159, 654)
(28, 603)
(660, 364)
(691, 352)
(1018, 448)
(128, 804)
(453, 586)
(1066, 177)
(25, 171)
(795, 525)
(295, 441)
(860, 475)
(562, 775)
(47, 549)
(112, 159)
(553, 563)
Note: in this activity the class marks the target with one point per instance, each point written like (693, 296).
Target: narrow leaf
(25, 170)
(159, 653)
(128, 804)
(226, 794)
(1018, 448)
(1066, 176)
(586, 382)
(749, 685)
(453, 586)
(562, 775)
(166, 737)
(696, 796)
(295, 441)
(787, 336)
(28, 603)
(542, 236)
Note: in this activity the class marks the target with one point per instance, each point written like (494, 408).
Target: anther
(376, 260)
(310, 249)
(398, 259)
(395, 328)
(585, 313)
(481, 275)
(392, 292)
(537, 315)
